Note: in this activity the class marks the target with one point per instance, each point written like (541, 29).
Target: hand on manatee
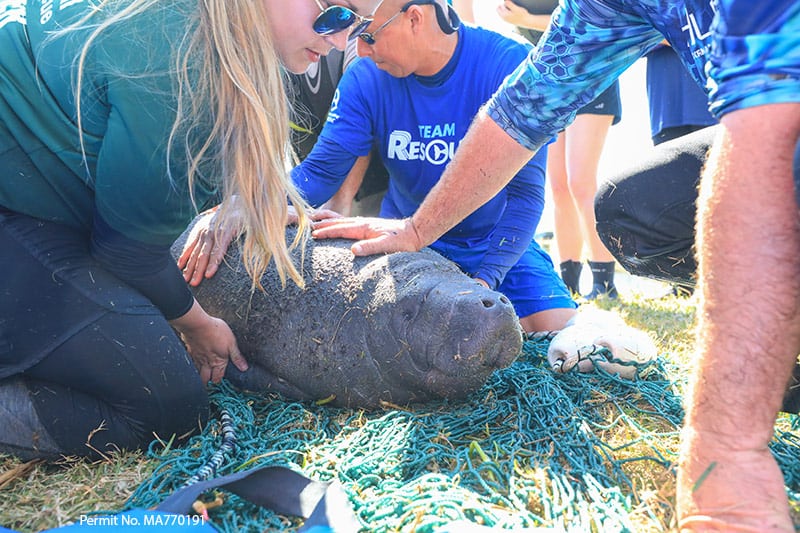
(210, 343)
(207, 244)
(373, 235)
(723, 486)
(316, 214)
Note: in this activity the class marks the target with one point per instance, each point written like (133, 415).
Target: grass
(38, 496)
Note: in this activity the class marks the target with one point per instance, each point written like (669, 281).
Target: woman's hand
(206, 246)
(322, 213)
(375, 235)
(210, 343)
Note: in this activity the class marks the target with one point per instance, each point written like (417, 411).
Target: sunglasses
(334, 19)
(369, 37)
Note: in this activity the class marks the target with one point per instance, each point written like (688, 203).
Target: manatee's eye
(403, 317)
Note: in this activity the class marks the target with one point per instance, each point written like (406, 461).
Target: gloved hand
(582, 344)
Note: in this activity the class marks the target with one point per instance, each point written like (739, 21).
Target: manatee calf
(401, 328)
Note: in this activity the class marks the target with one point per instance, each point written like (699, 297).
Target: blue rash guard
(677, 103)
(415, 124)
(589, 44)
(755, 59)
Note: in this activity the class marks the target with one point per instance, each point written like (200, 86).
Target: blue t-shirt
(674, 98)
(415, 124)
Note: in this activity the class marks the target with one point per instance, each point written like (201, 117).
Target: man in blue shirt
(749, 224)
(413, 102)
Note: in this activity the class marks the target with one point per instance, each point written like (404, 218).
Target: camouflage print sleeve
(755, 56)
(587, 47)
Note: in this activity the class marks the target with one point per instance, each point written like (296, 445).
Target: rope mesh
(530, 449)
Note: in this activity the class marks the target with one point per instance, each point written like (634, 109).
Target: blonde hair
(237, 77)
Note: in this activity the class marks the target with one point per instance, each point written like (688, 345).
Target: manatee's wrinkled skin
(399, 328)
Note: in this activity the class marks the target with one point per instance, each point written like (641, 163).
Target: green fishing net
(532, 448)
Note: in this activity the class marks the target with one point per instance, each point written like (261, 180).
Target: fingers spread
(340, 229)
(378, 245)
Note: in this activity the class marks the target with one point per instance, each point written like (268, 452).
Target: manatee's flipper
(260, 380)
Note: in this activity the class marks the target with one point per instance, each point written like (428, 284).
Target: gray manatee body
(399, 328)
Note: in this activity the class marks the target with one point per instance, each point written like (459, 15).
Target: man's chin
(389, 70)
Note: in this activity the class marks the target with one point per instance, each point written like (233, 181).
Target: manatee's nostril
(488, 303)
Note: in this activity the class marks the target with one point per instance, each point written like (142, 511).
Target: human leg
(585, 139)
(145, 387)
(571, 274)
(89, 352)
(24, 435)
(645, 214)
(540, 298)
(569, 243)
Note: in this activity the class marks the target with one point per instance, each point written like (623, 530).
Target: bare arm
(519, 16)
(484, 163)
(465, 10)
(749, 325)
(342, 201)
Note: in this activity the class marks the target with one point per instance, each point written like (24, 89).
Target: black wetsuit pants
(102, 366)
(646, 217)
(646, 213)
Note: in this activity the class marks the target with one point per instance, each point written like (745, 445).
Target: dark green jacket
(127, 111)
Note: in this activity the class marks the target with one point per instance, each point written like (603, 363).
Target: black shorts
(608, 103)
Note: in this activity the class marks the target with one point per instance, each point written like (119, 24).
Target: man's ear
(416, 15)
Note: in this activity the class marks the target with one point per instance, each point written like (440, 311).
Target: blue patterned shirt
(590, 43)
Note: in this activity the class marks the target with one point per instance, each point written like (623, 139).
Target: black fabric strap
(280, 489)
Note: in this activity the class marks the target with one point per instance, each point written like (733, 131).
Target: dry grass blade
(16, 472)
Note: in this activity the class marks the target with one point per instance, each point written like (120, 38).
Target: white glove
(581, 343)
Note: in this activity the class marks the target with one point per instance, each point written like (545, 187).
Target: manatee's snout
(487, 326)
(461, 333)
